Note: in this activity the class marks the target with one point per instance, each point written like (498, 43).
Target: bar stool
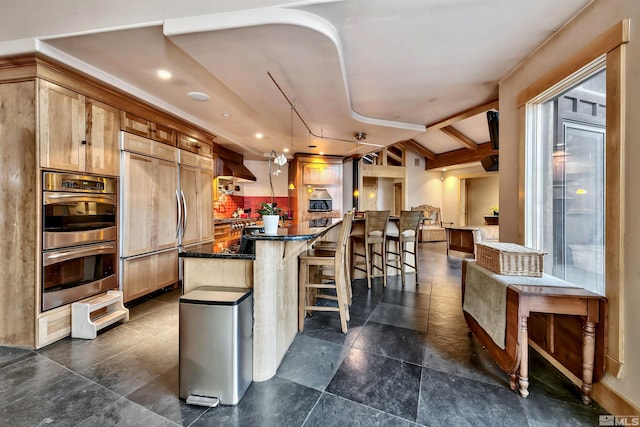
(308, 291)
(375, 230)
(407, 232)
(332, 246)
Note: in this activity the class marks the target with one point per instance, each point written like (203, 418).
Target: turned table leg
(523, 375)
(513, 380)
(588, 355)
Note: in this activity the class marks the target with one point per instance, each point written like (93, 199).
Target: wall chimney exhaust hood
(231, 169)
(229, 166)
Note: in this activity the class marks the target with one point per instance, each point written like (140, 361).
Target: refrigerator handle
(184, 206)
(179, 213)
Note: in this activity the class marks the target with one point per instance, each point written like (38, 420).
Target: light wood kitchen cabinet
(163, 134)
(196, 183)
(102, 129)
(19, 213)
(135, 124)
(195, 146)
(165, 202)
(142, 127)
(77, 133)
(310, 172)
(189, 180)
(205, 204)
(137, 210)
(47, 110)
(321, 174)
(147, 273)
(150, 204)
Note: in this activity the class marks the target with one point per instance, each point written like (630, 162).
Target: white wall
(594, 20)
(423, 187)
(452, 210)
(261, 187)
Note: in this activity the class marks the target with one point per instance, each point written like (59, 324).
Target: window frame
(610, 48)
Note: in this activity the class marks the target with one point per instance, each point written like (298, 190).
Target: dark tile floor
(407, 360)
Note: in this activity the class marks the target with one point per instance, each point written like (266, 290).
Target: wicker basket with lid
(509, 259)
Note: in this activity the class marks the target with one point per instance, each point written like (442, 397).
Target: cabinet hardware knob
(83, 142)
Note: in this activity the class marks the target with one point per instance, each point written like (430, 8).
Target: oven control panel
(54, 181)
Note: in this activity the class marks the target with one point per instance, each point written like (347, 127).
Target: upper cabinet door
(76, 133)
(102, 126)
(62, 128)
(136, 125)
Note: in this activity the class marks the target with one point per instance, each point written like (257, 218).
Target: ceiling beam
(418, 148)
(460, 156)
(460, 137)
(491, 105)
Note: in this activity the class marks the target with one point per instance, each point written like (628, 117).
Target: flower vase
(271, 223)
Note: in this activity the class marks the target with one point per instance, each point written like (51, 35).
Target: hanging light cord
(293, 108)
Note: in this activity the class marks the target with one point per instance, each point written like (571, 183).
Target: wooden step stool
(83, 326)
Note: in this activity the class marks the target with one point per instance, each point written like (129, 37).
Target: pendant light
(356, 192)
(291, 184)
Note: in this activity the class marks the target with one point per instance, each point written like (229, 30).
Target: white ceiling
(386, 68)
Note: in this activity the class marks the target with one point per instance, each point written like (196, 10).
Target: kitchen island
(272, 272)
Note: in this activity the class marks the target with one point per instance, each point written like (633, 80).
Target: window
(552, 113)
(566, 166)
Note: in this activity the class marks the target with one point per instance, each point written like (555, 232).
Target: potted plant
(270, 216)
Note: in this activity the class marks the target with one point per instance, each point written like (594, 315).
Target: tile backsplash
(227, 205)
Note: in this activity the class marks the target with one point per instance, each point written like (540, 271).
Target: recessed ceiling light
(198, 96)
(286, 150)
(259, 135)
(226, 114)
(164, 74)
(321, 153)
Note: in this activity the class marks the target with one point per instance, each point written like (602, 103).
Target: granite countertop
(299, 231)
(209, 250)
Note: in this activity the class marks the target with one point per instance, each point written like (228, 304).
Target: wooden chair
(309, 294)
(407, 232)
(432, 227)
(332, 246)
(375, 233)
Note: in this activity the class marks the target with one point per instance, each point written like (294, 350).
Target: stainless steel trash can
(216, 344)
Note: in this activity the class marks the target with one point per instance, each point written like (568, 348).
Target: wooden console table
(522, 300)
(461, 239)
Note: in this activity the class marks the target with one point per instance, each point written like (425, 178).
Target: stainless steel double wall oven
(79, 250)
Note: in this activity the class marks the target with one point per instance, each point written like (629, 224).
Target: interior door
(397, 198)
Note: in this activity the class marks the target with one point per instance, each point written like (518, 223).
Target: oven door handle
(178, 225)
(184, 206)
(55, 257)
(50, 198)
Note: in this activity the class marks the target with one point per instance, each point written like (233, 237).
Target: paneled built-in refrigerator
(166, 197)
